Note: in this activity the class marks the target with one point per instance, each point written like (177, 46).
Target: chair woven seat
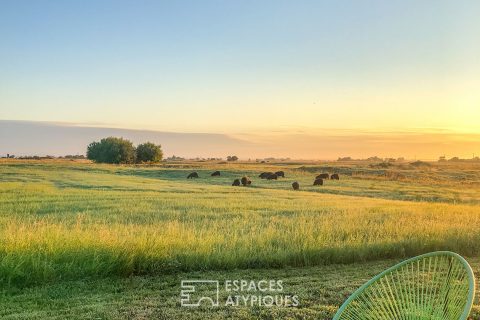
(433, 286)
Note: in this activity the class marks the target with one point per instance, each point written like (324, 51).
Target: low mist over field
(48, 138)
(42, 138)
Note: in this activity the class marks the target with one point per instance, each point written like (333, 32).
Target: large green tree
(111, 150)
(149, 152)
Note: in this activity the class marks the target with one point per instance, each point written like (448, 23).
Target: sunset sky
(259, 70)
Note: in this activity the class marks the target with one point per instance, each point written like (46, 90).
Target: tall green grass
(67, 221)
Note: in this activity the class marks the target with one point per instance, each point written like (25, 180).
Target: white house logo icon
(194, 293)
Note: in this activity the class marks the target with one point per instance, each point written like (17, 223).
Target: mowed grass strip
(320, 290)
(72, 223)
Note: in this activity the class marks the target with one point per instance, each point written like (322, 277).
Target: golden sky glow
(261, 70)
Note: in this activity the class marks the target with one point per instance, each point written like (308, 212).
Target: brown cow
(335, 176)
(216, 173)
(280, 174)
(322, 176)
(295, 185)
(236, 182)
(192, 175)
(246, 181)
(318, 182)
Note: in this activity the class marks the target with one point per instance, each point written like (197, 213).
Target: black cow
(192, 175)
(272, 176)
(322, 176)
(264, 175)
(295, 185)
(280, 174)
(318, 182)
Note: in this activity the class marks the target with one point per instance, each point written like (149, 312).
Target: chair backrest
(436, 285)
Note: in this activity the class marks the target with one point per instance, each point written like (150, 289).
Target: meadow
(67, 228)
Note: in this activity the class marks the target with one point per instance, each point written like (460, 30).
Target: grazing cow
(264, 175)
(295, 185)
(280, 174)
(236, 182)
(318, 182)
(192, 175)
(322, 176)
(335, 176)
(246, 181)
(216, 173)
(272, 176)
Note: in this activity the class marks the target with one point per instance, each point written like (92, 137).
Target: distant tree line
(73, 156)
(457, 159)
(175, 158)
(374, 158)
(119, 150)
(47, 157)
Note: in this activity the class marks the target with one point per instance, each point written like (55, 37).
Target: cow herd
(319, 179)
(245, 181)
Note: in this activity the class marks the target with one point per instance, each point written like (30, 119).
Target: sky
(244, 68)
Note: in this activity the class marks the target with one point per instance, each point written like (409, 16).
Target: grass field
(80, 240)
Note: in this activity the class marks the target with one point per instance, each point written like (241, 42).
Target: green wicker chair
(434, 286)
